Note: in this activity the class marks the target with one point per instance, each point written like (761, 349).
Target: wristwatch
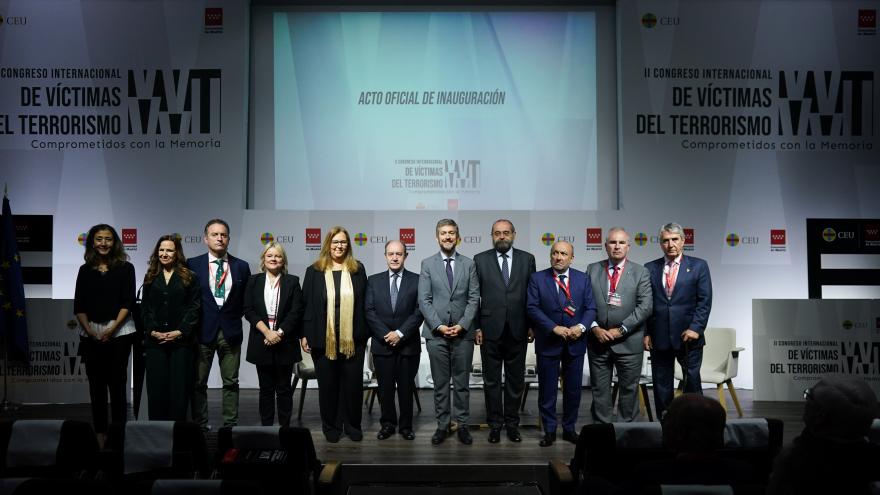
(582, 327)
(280, 332)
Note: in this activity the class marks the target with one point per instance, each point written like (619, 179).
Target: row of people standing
(496, 300)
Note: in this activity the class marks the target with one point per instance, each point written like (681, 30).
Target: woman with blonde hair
(273, 306)
(170, 307)
(335, 333)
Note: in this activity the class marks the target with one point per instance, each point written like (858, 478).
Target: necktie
(219, 281)
(670, 277)
(449, 271)
(615, 276)
(394, 291)
(505, 270)
(562, 295)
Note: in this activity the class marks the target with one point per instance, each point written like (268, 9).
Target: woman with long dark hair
(273, 306)
(171, 309)
(102, 303)
(335, 333)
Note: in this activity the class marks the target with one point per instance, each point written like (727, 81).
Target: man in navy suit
(682, 301)
(223, 279)
(560, 305)
(392, 309)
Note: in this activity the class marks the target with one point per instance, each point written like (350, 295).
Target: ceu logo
(266, 238)
(829, 234)
(81, 239)
(360, 239)
(472, 239)
(177, 237)
(732, 239)
(649, 20)
(548, 239)
(641, 239)
(847, 325)
(13, 20)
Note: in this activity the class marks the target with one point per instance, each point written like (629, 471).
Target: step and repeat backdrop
(738, 120)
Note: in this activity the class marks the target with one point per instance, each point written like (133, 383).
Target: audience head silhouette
(694, 424)
(840, 408)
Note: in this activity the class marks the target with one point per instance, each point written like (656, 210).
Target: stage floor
(396, 450)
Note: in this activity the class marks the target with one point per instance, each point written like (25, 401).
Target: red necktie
(670, 277)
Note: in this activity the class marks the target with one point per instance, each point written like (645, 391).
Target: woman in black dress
(170, 306)
(102, 303)
(335, 333)
(273, 306)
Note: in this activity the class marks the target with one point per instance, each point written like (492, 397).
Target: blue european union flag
(13, 324)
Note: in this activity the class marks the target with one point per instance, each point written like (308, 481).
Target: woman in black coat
(335, 333)
(170, 307)
(273, 306)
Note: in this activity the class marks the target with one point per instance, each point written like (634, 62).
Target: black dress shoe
(513, 434)
(356, 436)
(548, 439)
(464, 436)
(408, 434)
(439, 435)
(385, 432)
(495, 435)
(570, 436)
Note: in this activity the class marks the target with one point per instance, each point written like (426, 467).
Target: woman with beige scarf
(335, 333)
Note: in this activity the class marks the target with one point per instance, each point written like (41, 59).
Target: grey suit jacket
(637, 303)
(438, 304)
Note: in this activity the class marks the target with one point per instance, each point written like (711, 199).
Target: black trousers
(107, 371)
(340, 387)
(396, 372)
(275, 387)
(503, 398)
(170, 376)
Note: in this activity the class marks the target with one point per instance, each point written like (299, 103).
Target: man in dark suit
(223, 279)
(449, 294)
(504, 328)
(622, 291)
(392, 309)
(560, 305)
(682, 301)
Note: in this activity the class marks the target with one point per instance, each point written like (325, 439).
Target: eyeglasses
(339, 243)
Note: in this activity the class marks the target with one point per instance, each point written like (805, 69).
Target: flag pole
(6, 405)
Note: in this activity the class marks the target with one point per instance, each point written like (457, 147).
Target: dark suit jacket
(289, 318)
(688, 308)
(406, 316)
(227, 318)
(169, 307)
(315, 315)
(544, 308)
(499, 303)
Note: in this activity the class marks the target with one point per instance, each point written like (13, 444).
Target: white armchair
(720, 363)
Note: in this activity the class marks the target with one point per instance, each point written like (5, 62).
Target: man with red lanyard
(622, 291)
(560, 305)
(223, 278)
(682, 301)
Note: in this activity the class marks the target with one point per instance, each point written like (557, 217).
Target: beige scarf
(346, 315)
